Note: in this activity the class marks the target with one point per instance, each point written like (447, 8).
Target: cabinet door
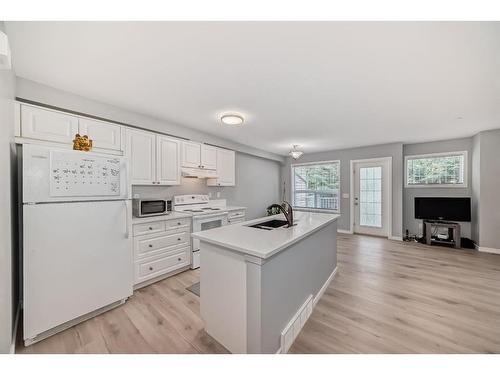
(208, 157)
(225, 169)
(140, 149)
(191, 153)
(47, 125)
(168, 161)
(103, 134)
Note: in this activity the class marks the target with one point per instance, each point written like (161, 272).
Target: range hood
(198, 173)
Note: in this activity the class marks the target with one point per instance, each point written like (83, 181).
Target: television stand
(453, 233)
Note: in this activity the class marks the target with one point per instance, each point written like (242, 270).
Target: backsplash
(188, 186)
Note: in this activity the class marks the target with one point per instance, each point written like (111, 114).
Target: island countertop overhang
(261, 243)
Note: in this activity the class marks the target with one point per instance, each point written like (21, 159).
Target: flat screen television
(442, 208)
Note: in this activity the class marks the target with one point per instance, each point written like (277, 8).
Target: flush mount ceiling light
(294, 153)
(232, 119)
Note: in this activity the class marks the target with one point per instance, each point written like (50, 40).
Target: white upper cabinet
(53, 126)
(47, 125)
(191, 154)
(103, 134)
(168, 152)
(140, 149)
(225, 169)
(208, 157)
(197, 155)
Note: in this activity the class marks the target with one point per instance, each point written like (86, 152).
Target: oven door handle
(203, 217)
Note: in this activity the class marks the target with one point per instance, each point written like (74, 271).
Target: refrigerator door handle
(127, 234)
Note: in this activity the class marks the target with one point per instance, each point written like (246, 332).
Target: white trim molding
(396, 238)
(488, 250)
(318, 295)
(344, 231)
(435, 155)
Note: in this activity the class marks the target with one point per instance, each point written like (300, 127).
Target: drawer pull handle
(178, 239)
(179, 259)
(150, 268)
(178, 223)
(150, 228)
(150, 245)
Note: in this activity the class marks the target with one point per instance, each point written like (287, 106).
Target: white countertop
(265, 243)
(172, 216)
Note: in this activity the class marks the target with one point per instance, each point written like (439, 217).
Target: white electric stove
(205, 215)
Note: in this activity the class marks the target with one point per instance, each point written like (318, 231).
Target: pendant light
(294, 153)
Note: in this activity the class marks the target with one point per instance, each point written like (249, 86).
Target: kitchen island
(259, 285)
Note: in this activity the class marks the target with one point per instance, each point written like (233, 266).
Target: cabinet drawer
(150, 245)
(235, 214)
(179, 223)
(160, 265)
(147, 228)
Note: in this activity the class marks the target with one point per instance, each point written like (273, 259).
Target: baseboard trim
(395, 238)
(14, 332)
(488, 250)
(343, 231)
(318, 295)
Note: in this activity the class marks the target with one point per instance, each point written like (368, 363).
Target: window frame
(292, 187)
(433, 155)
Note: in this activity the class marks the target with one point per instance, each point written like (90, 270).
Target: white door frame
(387, 159)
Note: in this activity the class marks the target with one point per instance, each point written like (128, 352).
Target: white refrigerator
(77, 252)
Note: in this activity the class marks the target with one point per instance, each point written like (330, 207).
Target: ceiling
(323, 85)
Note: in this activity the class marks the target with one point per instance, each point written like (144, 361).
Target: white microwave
(151, 207)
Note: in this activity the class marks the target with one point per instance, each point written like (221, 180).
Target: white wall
(7, 180)
(394, 150)
(462, 144)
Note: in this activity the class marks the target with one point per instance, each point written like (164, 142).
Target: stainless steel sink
(270, 225)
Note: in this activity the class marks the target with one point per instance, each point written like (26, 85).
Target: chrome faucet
(287, 210)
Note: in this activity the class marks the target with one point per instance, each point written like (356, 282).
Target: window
(437, 170)
(316, 186)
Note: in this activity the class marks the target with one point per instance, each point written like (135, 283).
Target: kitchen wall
(464, 144)
(8, 235)
(394, 150)
(257, 186)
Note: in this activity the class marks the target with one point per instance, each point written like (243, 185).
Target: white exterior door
(103, 134)
(208, 157)
(191, 154)
(371, 197)
(141, 151)
(48, 125)
(167, 161)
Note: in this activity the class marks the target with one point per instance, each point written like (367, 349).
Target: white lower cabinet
(161, 247)
(236, 216)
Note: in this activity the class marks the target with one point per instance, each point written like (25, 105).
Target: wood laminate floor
(387, 297)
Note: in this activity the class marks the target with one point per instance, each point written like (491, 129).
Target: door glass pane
(370, 196)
